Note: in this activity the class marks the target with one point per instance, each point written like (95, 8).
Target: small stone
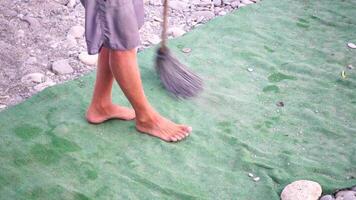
(186, 50)
(250, 175)
(176, 31)
(2, 106)
(33, 22)
(327, 197)
(32, 78)
(154, 39)
(178, 5)
(346, 195)
(71, 3)
(217, 2)
(280, 104)
(157, 19)
(256, 179)
(246, 2)
(87, 59)
(301, 190)
(351, 45)
(44, 85)
(155, 2)
(353, 188)
(76, 31)
(250, 69)
(207, 15)
(222, 13)
(20, 33)
(31, 60)
(235, 4)
(62, 67)
(350, 67)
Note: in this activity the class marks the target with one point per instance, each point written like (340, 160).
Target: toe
(185, 128)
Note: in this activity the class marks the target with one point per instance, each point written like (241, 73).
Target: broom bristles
(175, 76)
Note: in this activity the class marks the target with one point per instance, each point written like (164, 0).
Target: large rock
(87, 59)
(302, 190)
(62, 67)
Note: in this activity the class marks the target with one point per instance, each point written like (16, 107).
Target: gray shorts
(113, 24)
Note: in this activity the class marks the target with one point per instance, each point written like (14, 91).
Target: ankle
(147, 117)
(100, 105)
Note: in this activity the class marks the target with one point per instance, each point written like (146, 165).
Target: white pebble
(250, 175)
(256, 179)
(250, 69)
(351, 45)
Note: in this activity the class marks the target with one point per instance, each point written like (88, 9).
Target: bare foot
(163, 128)
(99, 114)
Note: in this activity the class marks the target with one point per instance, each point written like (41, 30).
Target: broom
(175, 77)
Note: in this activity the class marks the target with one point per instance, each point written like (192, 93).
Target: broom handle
(165, 24)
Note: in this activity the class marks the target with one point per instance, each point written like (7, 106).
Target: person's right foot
(163, 128)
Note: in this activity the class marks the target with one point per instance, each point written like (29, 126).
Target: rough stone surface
(302, 190)
(76, 31)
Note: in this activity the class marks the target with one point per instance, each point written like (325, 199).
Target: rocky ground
(42, 42)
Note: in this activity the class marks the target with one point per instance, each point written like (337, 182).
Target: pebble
(2, 106)
(327, 197)
(154, 39)
(20, 33)
(176, 32)
(246, 2)
(250, 69)
(351, 45)
(76, 31)
(207, 15)
(350, 67)
(353, 188)
(217, 2)
(71, 3)
(186, 50)
(33, 78)
(235, 4)
(250, 175)
(301, 190)
(178, 5)
(62, 67)
(87, 59)
(33, 22)
(256, 179)
(222, 13)
(44, 85)
(280, 104)
(346, 195)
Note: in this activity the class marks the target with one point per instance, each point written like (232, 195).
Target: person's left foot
(96, 114)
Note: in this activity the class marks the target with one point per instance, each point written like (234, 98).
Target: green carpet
(296, 49)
